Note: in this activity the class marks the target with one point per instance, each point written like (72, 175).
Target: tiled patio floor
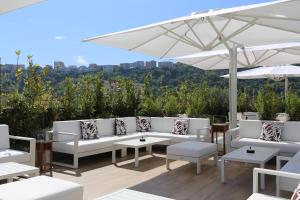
(99, 177)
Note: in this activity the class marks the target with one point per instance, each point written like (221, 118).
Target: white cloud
(81, 60)
(59, 37)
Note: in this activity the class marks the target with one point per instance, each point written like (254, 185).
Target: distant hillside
(166, 76)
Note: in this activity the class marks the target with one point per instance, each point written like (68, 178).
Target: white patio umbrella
(10, 5)
(276, 73)
(266, 23)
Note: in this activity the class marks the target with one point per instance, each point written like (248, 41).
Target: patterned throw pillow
(88, 130)
(181, 127)
(271, 131)
(121, 127)
(296, 194)
(143, 124)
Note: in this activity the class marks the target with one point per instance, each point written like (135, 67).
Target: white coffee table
(10, 170)
(136, 144)
(132, 195)
(261, 156)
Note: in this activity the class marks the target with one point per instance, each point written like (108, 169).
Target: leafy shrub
(293, 107)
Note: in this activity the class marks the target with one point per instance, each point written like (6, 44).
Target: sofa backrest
(4, 137)
(131, 124)
(291, 131)
(166, 124)
(162, 124)
(106, 127)
(197, 123)
(250, 128)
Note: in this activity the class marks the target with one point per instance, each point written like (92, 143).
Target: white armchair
(10, 155)
(258, 196)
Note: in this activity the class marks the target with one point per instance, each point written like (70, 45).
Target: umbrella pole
(286, 87)
(233, 87)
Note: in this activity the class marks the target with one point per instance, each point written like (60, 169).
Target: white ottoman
(192, 151)
(41, 188)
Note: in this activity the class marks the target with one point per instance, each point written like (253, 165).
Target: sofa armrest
(279, 160)
(230, 135)
(32, 146)
(257, 171)
(204, 131)
(74, 136)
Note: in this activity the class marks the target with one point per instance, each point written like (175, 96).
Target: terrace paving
(100, 177)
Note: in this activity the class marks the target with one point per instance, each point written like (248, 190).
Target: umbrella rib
(221, 36)
(153, 38)
(269, 17)
(243, 28)
(221, 31)
(216, 63)
(176, 42)
(246, 57)
(265, 25)
(198, 62)
(184, 39)
(261, 56)
(268, 57)
(194, 33)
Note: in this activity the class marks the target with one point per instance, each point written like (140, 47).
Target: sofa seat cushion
(297, 156)
(9, 155)
(192, 149)
(284, 146)
(257, 196)
(41, 188)
(289, 184)
(174, 138)
(91, 145)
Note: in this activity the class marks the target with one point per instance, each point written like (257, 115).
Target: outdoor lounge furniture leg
(136, 157)
(113, 160)
(75, 161)
(216, 159)
(123, 152)
(222, 170)
(150, 149)
(167, 163)
(262, 177)
(199, 166)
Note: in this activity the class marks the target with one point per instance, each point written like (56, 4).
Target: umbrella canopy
(265, 55)
(259, 24)
(276, 73)
(10, 5)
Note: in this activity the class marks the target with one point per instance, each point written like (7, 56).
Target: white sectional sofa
(11, 155)
(67, 135)
(41, 188)
(248, 133)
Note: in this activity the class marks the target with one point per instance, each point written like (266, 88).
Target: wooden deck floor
(100, 177)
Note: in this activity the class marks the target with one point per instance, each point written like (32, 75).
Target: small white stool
(192, 151)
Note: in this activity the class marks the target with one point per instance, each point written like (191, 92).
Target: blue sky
(53, 30)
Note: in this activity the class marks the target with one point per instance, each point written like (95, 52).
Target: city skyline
(62, 26)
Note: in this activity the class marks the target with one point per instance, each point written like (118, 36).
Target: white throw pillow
(121, 127)
(143, 124)
(271, 131)
(181, 126)
(88, 130)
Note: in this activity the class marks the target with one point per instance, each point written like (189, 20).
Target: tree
(69, 101)
(99, 96)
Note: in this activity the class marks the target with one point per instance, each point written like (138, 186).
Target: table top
(11, 168)
(137, 143)
(132, 195)
(261, 155)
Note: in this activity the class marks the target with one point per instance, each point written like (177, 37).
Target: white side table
(261, 156)
(132, 195)
(137, 144)
(10, 170)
